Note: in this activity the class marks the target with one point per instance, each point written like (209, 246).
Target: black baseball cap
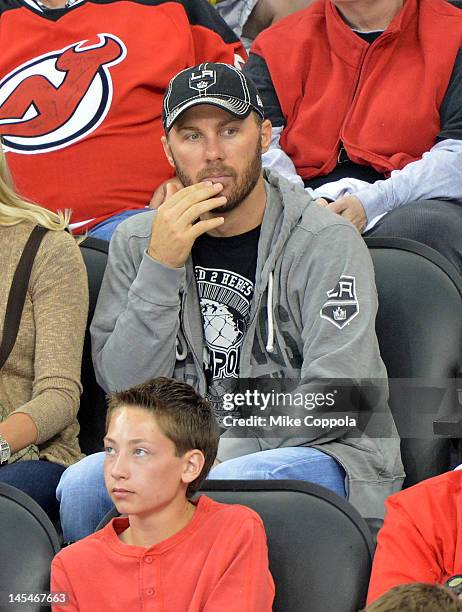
(221, 85)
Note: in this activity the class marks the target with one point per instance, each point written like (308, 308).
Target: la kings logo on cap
(201, 81)
(342, 306)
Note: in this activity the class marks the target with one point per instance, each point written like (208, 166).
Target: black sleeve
(451, 108)
(201, 12)
(257, 70)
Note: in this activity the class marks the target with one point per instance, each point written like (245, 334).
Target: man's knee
(83, 497)
(241, 468)
(85, 473)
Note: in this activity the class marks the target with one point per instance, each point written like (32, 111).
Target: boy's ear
(193, 463)
(167, 151)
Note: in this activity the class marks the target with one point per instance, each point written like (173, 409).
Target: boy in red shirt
(421, 538)
(169, 553)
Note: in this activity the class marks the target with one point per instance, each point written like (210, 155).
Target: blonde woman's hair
(14, 208)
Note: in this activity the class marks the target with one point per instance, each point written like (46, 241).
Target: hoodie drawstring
(269, 308)
(180, 350)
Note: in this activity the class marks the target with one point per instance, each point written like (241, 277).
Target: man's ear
(167, 151)
(266, 130)
(193, 463)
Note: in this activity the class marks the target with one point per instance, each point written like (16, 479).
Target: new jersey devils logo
(60, 97)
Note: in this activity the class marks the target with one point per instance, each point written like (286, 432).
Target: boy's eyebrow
(131, 441)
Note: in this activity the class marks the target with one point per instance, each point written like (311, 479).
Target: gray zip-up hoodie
(303, 325)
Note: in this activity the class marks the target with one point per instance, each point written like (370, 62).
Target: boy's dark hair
(417, 597)
(183, 415)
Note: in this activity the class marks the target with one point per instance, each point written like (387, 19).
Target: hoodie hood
(288, 204)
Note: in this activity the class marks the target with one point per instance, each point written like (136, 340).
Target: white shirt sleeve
(437, 175)
(276, 159)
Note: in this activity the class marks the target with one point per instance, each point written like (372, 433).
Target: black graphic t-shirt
(225, 274)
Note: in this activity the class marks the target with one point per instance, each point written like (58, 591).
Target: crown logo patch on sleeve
(342, 305)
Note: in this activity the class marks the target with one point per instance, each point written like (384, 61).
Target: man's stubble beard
(240, 189)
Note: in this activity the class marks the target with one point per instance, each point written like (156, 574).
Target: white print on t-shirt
(225, 304)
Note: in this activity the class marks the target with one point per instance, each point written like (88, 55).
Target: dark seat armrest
(375, 525)
(450, 425)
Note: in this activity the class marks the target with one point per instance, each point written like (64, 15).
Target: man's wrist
(159, 260)
(372, 200)
(151, 254)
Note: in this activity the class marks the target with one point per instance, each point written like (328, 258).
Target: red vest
(92, 143)
(381, 100)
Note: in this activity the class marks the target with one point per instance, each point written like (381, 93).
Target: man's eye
(108, 450)
(140, 452)
(230, 131)
(193, 136)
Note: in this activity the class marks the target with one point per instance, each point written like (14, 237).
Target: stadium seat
(92, 412)
(320, 548)
(28, 544)
(419, 329)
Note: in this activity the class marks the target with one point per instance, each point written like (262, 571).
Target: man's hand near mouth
(177, 224)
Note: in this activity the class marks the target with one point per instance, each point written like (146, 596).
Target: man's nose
(214, 148)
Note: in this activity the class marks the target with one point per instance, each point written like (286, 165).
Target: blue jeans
(106, 228)
(38, 479)
(290, 463)
(83, 497)
(85, 501)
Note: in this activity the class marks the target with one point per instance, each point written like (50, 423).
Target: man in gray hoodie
(240, 277)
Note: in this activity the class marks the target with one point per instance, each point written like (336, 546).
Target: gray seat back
(419, 329)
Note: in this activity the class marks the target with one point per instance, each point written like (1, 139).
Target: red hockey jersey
(81, 96)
